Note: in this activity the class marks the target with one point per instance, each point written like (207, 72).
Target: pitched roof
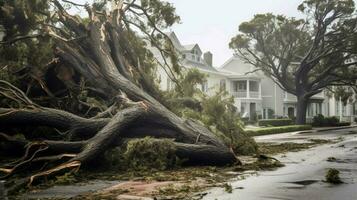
(198, 65)
(189, 47)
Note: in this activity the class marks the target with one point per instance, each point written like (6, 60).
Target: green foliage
(275, 130)
(344, 7)
(150, 154)
(321, 121)
(333, 176)
(275, 122)
(161, 13)
(217, 112)
(344, 93)
(228, 188)
(274, 148)
(268, 35)
(65, 179)
(187, 84)
(21, 18)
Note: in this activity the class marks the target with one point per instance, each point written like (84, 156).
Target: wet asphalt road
(304, 171)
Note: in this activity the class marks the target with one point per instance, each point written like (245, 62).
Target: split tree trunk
(93, 58)
(97, 55)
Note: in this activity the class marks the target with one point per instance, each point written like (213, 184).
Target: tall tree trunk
(301, 109)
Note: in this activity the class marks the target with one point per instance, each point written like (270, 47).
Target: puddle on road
(304, 182)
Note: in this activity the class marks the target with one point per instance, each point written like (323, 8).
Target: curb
(310, 131)
(328, 129)
(337, 128)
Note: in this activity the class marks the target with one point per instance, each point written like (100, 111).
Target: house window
(318, 108)
(253, 86)
(284, 111)
(268, 113)
(222, 84)
(243, 112)
(204, 87)
(240, 86)
(310, 110)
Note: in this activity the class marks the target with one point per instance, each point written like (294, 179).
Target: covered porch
(249, 109)
(247, 88)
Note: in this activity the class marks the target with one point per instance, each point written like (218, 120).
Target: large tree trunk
(97, 55)
(301, 110)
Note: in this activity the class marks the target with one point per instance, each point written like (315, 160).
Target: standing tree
(109, 52)
(303, 56)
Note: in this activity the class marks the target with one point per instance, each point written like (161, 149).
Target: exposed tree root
(23, 162)
(73, 164)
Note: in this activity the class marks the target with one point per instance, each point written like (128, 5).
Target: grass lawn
(275, 130)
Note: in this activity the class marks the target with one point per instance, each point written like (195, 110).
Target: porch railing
(243, 94)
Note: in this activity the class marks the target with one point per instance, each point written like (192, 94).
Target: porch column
(248, 89)
(260, 89)
(248, 109)
(340, 106)
(350, 113)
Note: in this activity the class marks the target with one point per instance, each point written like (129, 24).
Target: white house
(192, 57)
(255, 94)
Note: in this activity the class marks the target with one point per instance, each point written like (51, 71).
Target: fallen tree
(101, 49)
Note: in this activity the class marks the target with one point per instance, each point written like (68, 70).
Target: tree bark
(301, 110)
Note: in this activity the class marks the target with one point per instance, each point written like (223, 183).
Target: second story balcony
(246, 89)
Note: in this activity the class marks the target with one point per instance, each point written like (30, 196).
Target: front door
(291, 112)
(253, 111)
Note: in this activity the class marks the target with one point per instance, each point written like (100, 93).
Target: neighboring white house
(274, 101)
(191, 56)
(255, 94)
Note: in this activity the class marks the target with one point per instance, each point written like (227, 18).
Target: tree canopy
(303, 56)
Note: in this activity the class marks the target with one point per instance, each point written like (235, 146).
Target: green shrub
(344, 124)
(275, 122)
(244, 145)
(321, 121)
(149, 154)
(332, 121)
(274, 130)
(333, 176)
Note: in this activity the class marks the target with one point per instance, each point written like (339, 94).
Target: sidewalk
(300, 133)
(322, 129)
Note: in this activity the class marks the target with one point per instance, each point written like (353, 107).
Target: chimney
(208, 58)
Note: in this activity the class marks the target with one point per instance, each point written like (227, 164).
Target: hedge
(275, 130)
(344, 124)
(275, 122)
(322, 121)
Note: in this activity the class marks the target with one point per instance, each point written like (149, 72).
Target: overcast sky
(212, 24)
